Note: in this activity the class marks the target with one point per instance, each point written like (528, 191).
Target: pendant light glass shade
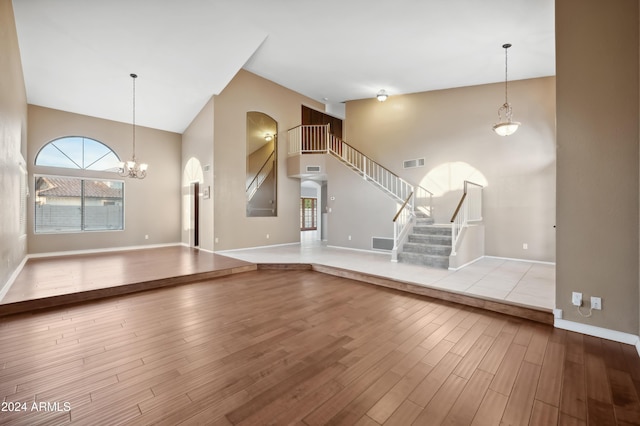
(505, 125)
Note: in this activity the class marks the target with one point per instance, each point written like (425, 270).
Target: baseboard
(520, 260)
(604, 333)
(258, 247)
(5, 288)
(477, 259)
(100, 250)
(388, 253)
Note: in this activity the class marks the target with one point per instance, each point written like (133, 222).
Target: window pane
(103, 203)
(58, 204)
(108, 163)
(50, 155)
(72, 148)
(65, 204)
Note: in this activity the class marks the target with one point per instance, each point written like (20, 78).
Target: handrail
(464, 195)
(468, 209)
(257, 176)
(402, 207)
(455, 213)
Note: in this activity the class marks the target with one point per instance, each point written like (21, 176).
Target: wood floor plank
(466, 406)
(521, 399)
(544, 414)
(491, 409)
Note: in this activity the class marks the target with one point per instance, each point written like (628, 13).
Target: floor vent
(379, 243)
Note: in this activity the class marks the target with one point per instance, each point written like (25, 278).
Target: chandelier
(132, 168)
(505, 125)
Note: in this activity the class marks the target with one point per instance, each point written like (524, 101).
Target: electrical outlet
(576, 298)
(596, 303)
(349, 237)
(525, 246)
(267, 236)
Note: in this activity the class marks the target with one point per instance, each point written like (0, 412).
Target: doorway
(308, 214)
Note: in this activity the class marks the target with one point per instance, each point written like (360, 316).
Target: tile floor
(521, 282)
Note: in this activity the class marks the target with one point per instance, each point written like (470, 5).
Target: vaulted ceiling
(77, 54)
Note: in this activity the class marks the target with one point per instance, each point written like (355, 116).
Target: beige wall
(197, 144)
(597, 131)
(356, 208)
(451, 130)
(152, 205)
(248, 92)
(13, 132)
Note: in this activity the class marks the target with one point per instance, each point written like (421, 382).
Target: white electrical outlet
(349, 237)
(576, 298)
(267, 236)
(596, 303)
(146, 237)
(525, 246)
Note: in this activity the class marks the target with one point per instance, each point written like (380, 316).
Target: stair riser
(417, 259)
(426, 249)
(424, 221)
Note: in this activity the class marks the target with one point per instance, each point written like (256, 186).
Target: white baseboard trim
(101, 250)
(466, 264)
(521, 260)
(256, 248)
(385, 252)
(604, 333)
(5, 288)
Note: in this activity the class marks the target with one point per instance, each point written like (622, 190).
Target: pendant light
(131, 168)
(505, 125)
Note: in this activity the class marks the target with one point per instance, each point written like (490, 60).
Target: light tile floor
(521, 282)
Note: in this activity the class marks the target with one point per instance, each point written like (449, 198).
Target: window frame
(83, 168)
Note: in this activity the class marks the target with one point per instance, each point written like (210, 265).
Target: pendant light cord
(506, 75)
(134, 76)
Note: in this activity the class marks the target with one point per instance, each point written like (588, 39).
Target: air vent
(409, 164)
(313, 169)
(379, 243)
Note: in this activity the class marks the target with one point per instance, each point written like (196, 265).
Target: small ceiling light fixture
(505, 125)
(131, 168)
(268, 137)
(382, 95)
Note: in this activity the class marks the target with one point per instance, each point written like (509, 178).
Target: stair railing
(401, 225)
(469, 209)
(260, 177)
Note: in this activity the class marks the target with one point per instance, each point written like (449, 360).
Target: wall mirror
(262, 160)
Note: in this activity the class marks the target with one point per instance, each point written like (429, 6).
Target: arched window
(78, 152)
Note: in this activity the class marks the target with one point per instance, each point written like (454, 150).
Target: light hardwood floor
(301, 347)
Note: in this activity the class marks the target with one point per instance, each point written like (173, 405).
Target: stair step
(430, 239)
(424, 259)
(435, 249)
(432, 229)
(422, 221)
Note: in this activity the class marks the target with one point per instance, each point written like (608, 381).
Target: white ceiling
(77, 54)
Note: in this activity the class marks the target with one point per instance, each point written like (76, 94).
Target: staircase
(428, 244)
(422, 242)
